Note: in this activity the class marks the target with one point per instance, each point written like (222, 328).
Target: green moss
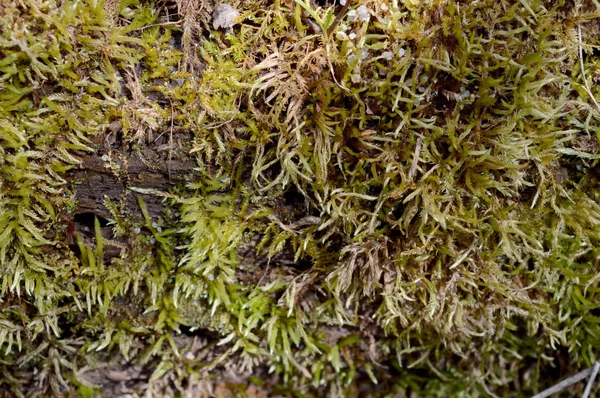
(430, 169)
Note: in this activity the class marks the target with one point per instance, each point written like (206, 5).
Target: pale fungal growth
(363, 13)
(105, 158)
(137, 230)
(224, 16)
(352, 16)
(401, 52)
(464, 94)
(387, 55)
(211, 277)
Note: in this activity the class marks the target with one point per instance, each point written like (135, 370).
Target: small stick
(588, 388)
(565, 383)
(338, 18)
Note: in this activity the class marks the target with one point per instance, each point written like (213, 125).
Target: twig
(338, 18)
(590, 383)
(567, 382)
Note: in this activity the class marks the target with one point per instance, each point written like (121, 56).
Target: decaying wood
(111, 170)
(108, 173)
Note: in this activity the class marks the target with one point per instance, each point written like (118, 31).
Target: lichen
(392, 197)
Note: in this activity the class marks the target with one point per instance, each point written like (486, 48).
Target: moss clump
(393, 196)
